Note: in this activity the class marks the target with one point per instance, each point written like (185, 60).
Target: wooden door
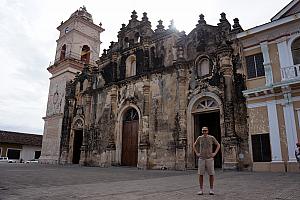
(130, 143)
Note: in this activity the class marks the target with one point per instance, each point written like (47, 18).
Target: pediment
(292, 8)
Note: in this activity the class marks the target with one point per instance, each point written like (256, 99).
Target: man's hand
(198, 154)
(213, 155)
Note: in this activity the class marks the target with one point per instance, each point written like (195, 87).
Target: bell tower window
(85, 54)
(63, 52)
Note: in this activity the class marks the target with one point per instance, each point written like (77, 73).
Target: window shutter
(259, 61)
(251, 72)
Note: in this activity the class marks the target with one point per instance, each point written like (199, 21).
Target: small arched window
(131, 66)
(296, 51)
(85, 54)
(203, 67)
(126, 42)
(63, 52)
(137, 37)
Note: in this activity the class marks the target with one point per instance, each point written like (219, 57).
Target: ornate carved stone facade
(150, 94)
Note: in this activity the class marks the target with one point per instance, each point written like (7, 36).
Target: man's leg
(201, 171)
(201, 182)
(211, 181)
(211, 173)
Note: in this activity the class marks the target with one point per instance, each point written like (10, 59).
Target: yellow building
(271, 62)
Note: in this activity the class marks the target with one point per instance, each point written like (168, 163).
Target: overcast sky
(28, 40)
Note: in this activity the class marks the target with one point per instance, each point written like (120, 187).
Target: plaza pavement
(57, 182)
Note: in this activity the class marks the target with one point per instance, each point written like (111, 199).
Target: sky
(28, 41)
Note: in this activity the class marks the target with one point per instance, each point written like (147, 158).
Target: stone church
(145, 100)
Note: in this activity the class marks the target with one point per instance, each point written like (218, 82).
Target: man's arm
(218, 146)
(194, 147)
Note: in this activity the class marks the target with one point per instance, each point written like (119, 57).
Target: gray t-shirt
(206, 145)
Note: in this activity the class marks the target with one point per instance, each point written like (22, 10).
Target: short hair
(298, 144)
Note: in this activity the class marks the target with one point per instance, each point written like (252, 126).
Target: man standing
(206, 158)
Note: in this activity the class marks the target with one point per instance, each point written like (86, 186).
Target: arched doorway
(77, 140)
(130, 131)
(204, 109)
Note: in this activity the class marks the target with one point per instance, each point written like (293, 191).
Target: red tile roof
(20, 138)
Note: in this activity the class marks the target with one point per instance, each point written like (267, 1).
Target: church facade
(145, 100)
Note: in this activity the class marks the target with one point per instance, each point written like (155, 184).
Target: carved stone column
(111, 147)
(229, 141)
(144, 138)
(182, 137)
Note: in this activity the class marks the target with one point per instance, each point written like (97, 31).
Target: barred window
(255, 65)
(261, 148)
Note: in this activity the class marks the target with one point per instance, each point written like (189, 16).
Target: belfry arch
(202, 110)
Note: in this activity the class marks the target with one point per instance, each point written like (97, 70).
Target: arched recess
(203, 66)
(76, 140)
(131, 66)
(85, 54)
(119, 125)
(203, 103)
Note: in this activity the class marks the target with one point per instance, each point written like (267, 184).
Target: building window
(261, 149)
(37, 154)
(13, 154)
(255, 65)
(131, 66)
(296, 51)
(203, 67)
(85, 54)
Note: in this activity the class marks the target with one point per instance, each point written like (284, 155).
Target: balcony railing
(291, 72)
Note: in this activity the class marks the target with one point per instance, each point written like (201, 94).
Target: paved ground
(35, 181)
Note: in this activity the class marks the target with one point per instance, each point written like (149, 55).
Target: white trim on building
(274, 132)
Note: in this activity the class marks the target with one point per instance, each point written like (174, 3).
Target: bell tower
(78, 44)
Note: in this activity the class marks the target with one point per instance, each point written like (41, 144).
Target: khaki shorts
(207, 164)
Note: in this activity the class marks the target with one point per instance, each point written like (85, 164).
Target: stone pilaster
(111, 148)
(87, 114)
(182, 139)
(229, 141)
(144, 139)
(66, 133)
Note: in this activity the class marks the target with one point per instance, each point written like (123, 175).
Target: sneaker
(211, 192)
(200, 192)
